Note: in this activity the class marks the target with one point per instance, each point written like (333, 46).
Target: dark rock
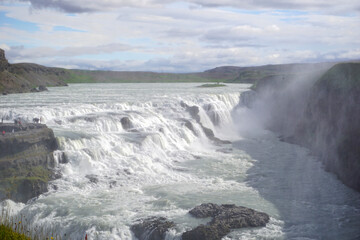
(4, 64)
(194, 112)
(206, 232)
(224, 218)
(92, 178)
(190, 126)
(210, 134)
(205, 210)
(112, 184)
(30, 188)
(26, 160)
(211, 112)
(34, 90)
(126, 123)
(42, 88)
(63, 159)
(152, 228)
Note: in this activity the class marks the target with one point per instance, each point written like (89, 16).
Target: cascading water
(136, 151)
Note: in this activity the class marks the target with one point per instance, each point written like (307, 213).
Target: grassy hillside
(26, 77)
(81, 76)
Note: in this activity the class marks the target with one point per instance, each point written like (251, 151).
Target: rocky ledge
(224, 218)
(26, 160)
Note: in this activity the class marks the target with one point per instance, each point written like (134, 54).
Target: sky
(178, 36)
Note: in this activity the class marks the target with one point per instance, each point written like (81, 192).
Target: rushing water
(160, 167)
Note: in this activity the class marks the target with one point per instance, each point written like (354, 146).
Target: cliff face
(26, 160)
(331, 123)
(25, 77)
(320, 111)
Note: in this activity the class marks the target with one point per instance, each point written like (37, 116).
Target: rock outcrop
(194, 112)
(28, 77)
(26, 160)
(4, 64)
(126, 123)
(152, 228)
(224, 218)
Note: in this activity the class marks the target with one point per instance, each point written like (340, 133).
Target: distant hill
(27, 77)
(81, 76)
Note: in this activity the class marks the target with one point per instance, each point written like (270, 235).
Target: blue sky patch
(6, 21)
(66, 29)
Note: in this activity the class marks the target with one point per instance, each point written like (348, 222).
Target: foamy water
(160, 167)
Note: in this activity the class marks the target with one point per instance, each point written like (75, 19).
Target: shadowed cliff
(320, 111)
(331, 124)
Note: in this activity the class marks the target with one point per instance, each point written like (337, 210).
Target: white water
(161, 168)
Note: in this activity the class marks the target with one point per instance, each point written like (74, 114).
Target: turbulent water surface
(161, 167)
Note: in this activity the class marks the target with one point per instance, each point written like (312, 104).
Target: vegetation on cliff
(27, 77)
(26, 161)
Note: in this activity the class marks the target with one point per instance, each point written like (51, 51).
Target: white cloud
(154, 35)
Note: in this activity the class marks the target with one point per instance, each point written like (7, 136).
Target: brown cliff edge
(28, 77)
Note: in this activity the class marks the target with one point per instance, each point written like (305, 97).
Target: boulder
(154, 228)
(42, 88)
(126, 123)
(224, 218)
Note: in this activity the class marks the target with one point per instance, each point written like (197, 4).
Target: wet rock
(42, 88)
(63, 159)
(206, 233)
(34, 90)
(190, 126)
(194, 112)
(154, 228)
(211, 112)
(112, 184)
(210, 134)
(92, 178)
(126, 123)
(224, 218)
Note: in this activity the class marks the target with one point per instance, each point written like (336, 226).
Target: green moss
(12, 178)
(342, 76)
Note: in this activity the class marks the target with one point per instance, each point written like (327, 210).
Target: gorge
(118, 153)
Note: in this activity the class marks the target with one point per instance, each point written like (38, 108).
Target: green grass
(79, 78)
(343, 76)
(84, 76)
(19, 228)
(8, 233)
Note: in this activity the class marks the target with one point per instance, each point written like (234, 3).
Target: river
(159, 166)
